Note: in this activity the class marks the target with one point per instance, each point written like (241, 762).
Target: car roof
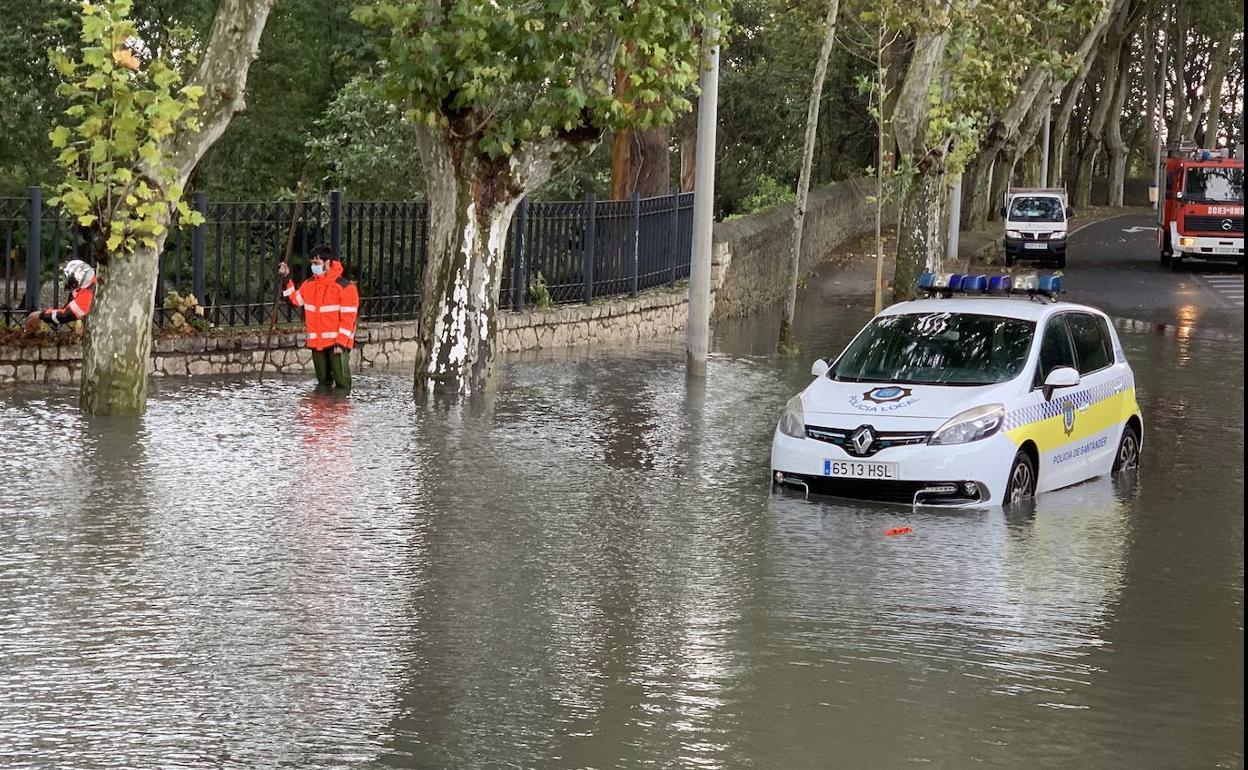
(1019, 307)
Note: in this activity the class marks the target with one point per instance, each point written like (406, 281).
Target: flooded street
(587, 568)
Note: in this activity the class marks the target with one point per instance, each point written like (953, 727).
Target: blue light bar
(955, 282)
(927, 280)
(1001, 283)
(975, 283)
(1050, 284)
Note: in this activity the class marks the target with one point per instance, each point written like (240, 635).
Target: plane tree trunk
(119, 329)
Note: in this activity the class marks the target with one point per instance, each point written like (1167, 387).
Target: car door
(1098, 417)
(1052, 430)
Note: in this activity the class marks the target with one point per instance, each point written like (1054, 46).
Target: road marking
(1139, 229)
(1228, 288)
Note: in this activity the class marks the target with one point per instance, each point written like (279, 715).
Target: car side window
(1055, 349)
(1092, 346)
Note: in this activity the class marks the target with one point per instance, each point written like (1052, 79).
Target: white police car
(984, 398)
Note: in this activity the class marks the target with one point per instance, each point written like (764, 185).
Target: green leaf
(59, 136)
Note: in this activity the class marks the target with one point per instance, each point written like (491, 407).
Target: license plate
(857, 469)
(1035, 245)
(1227, 250)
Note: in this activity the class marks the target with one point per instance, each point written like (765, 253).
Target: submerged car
(985, 393)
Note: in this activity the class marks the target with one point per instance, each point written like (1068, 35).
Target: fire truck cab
(1202, 213)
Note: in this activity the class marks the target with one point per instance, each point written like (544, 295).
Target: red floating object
(897, 531)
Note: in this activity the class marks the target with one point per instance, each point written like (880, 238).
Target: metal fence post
(587, 248)
(518, 274)
(634, 242)
(199, 246)
(673, 236)
(335, 222)
(34, 245)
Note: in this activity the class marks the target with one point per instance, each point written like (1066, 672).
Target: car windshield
(1026, 208)
(937, 349)
(1214, 185)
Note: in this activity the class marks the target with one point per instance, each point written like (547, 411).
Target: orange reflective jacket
(76, 309)
(348, 309)
(330, 304)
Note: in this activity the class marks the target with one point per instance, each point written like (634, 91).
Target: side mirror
(1061, 377)
(1003, 212)
(1179, 195)
(1069, 212)
(819, 368)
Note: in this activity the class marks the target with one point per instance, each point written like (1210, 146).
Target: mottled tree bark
(471, 200)
(803, 180)
(1096, 128)
(919, 242)
(1115, 147)
(920, 245)
(640, 163)
(977, 201)
(1060, 129)
(119, 329)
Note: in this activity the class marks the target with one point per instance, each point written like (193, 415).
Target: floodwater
(587, 567)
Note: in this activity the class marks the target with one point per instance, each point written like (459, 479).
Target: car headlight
(793, 423)
(971, 425)
(1013, 234)
(1186, 241)
(1057, 235)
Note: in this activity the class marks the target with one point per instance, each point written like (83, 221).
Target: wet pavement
(586, 567)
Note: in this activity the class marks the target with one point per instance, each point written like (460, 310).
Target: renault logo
(862, 439)
(1227, 224)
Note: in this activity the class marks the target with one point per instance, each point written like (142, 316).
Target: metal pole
(699, 324)
(955, 218)
(199, 247)
(1160, 118)
(589, 248)
(518, 287)
(335, 222)
(34, 246)
(1044, 148)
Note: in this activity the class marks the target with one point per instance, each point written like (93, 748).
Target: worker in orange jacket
(330, 303)
(80, 286)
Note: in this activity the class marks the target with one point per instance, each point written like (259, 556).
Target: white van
(1036, 223)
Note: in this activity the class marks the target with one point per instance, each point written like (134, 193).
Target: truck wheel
(1009, 260)
(1061, 262)
(1166, 255)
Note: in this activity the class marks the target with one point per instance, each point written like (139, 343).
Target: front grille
(883, 439)
(880, 491)
(1214, 225)
(1035, 236)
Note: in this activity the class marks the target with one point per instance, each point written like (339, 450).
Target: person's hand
(33, 320)
(283, 269)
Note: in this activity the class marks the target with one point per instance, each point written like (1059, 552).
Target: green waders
(332, 368)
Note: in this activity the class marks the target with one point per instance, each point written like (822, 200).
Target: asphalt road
(1113, 265)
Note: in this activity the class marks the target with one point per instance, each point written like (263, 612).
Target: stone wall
(751, 254)
(625, 320)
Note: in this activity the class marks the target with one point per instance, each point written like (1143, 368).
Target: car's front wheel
(1022, 483)
(1128, 457)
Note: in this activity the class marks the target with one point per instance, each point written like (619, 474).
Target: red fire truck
(1202, 213)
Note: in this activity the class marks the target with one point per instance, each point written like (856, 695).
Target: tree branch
(232, 46)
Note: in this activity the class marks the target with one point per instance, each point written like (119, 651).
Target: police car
(984, 393)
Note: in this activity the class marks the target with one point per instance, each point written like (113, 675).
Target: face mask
(318, 269)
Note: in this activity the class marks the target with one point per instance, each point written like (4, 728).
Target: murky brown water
(587, 568)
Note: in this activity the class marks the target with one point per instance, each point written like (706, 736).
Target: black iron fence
(556, 252)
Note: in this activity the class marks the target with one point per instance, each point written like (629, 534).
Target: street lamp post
(698, 326)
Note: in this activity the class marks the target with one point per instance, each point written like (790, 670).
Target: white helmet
(78, 273)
